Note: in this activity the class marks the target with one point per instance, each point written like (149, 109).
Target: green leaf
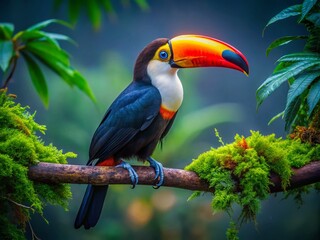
(74, 7)
(315, 19)
(314, 97)
(6, 31)
(307, 5)
(82, 84)
(281, 66)
(302, 56)
(276, 117)
(46, 23)
(31, 35)
(60, 37)
(143, 4)
(94, 13)
(40, 36)
(291, 111)
(54, 53)
(58, 67)
(6, 53)
(300, 84)
(70, 76)
(313, 42)
(107, 5)
(283, 41)
(275, 80)
(53, 38)
(286, 13)
(38, 79)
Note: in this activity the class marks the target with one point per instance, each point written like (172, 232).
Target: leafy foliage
(301, 70)
(94, 9)
(240, 172)
(20, 147)
(37, 46)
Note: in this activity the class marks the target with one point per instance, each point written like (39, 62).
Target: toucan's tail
(91, 206)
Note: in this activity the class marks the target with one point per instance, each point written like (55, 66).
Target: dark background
(106, 58)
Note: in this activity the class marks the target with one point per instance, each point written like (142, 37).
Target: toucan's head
(166, 56)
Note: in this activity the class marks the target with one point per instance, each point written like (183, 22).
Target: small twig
(24, 206)
(33, 235)
(65, 173)
(14, 65)
(18, 204)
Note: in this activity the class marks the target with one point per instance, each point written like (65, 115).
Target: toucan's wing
(132, 112)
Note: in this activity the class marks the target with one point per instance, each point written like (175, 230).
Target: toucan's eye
(163, 55)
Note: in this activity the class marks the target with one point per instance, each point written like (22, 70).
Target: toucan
(142, 115)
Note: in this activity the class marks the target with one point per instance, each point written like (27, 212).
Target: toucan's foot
(132, 173)
(158, 168)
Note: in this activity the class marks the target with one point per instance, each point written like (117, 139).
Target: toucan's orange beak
(189, 51)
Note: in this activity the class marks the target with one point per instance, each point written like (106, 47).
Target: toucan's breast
(166, 80)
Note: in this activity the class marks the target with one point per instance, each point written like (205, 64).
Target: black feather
(91, 206)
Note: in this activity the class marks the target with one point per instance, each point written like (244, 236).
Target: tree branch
(80, 174)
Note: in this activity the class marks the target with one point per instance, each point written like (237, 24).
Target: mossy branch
(80, 174)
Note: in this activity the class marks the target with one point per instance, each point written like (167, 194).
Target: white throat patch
(166, 80)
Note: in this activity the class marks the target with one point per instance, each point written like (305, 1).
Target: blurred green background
(220, 98)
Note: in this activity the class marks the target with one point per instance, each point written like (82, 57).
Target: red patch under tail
(108, 162)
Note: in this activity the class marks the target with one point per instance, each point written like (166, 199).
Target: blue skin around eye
(163, 54)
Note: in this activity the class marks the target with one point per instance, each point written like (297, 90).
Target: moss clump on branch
(240, 172)
(20, 147)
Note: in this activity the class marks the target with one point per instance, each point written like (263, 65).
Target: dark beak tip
(236, 59)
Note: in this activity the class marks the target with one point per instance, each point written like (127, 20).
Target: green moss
(240, 172)
(232, 232)
(20, 147)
